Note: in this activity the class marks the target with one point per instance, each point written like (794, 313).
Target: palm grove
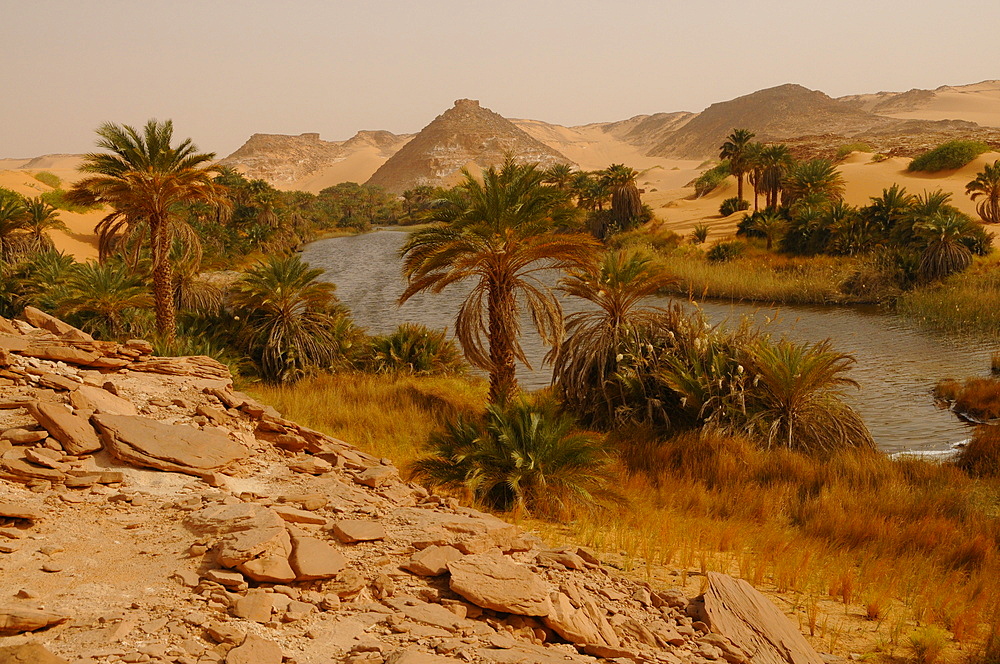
(620, 365)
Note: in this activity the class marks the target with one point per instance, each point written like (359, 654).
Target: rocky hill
(285, 160)
(150, 513)
(977, 102)
(466, 135)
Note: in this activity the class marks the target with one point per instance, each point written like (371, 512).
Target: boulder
(255, 650)
(29, 653)
(736, 610)
(352, 531)
(432, 561)
(88, 397)
(145, 442)
(313, 558)
(19, 619)
(252, 539)
(491, 580)
(73, 432)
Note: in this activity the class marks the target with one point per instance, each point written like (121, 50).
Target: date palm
(945, 253)
(626, 205)
(499, 233)
(818, 177)
(42, 218)
(775, 160)
(107, 299)
(987, 186)
(560, 176)
(144, 179)
(585, 364)
(13, 218)
(737, 150)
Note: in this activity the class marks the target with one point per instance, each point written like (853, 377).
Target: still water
(897, 363)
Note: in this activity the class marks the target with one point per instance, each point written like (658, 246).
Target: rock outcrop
(465, 136)
(205, 528)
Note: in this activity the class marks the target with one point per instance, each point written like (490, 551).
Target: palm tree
(144, 179)
(771, 225)
(290, 319)
(626, 205)
(987, 185)
(13, 218)
(775, 160)
(42, 218)
(796, 400)
(813, 177)
(560, 176)
(584, 365)
(945, 252)
(499, 234)
(107, 299)
(890, 207)
(755, 170)
(526, 458)
(737, 150)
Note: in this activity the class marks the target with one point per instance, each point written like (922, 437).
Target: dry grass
(977, 399)
(965, 303)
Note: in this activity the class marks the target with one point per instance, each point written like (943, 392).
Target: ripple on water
(897, 363)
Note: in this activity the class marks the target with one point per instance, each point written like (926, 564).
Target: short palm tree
(499, 234)
(813, 177)
(626, 205)
(771, 225)
(560, 176)
(143, 179)
(796, 398)
(524, 457)
(585, 364)
(290, 319)
(13, 218)
(42, 218)
(887, 209)
(945, 253)
(737, 150)
(987, 186)
(107, 299)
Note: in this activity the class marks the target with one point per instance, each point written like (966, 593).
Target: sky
(224, 70)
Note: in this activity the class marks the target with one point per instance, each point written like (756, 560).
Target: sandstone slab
(66, 354)
(491, 580)
(313, 558)
(353, 531)
(49, 323)
(73, 432)
(29, 653)
(252, 539)
(145, 442)
(255, 650)
(19, 619)
(432, 561)
(88, 397)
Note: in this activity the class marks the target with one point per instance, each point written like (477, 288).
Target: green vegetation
(726, 250)
(738, 152)
(846, 149)
(948, 156)
(987, 186)
(732, 205)
(415, 349)
(710, 180)
(50, 179)
(700, 233)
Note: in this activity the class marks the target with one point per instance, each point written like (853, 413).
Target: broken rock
(73, 432)
(19, 619)
(493, 581)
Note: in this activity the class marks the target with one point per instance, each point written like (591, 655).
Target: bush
(947, 156)
(50, 179)
(57, 199)
(978, 399)
(844, 150)
(699, 234)
(731, 205)
(928, 643)
(981, 456)
(726, 251)
(415, 349)
(707, 182)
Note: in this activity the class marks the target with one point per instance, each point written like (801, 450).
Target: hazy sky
(225, 70)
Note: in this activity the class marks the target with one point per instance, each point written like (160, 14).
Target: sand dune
(79, 240)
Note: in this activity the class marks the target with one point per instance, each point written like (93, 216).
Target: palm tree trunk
(739, 186)
(163, 287)
(501, 314)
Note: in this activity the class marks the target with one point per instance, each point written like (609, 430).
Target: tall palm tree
(775, 161)
(987, 185)
(737, 150)
(626, 205)
(144, 179)
(813, 177)
(13, 218)
(290, 318)
(42, 218)
(755, 170)
(499, 234)
(584, 365)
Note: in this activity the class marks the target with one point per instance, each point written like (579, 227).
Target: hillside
(978, 102)
(465, 136)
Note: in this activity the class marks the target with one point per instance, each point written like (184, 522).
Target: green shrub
(947, 156)
(848, 148)
(415, 349)
(50, 179)
(726, 251)
(731, 205)
(699, 234)
(927, 644)
(57, 199)
(707, 182)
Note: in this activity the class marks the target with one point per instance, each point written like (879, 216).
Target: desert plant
(736, 150)
(987, 186)
(770, 226)
(947, 156)
(41, 218)
(13, 218)
(107, 299)
(844, 150)
(414, 349)
(51, 179)
(143, 178)
(726, 250)
(928, 643)
(500, 233)
(732, 205)
(817, 177)
(699, 234)
(626, 205)
(709, 181)
(774, 161)
(523, 457)
(944, 254)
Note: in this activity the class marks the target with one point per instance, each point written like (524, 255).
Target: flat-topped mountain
(466, 135)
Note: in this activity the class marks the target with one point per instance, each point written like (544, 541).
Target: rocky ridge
(150, 513)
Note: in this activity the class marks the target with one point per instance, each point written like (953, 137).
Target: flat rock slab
(73, 432)
(17, 511)
(313, 558)
(255, 650)
(432, 561)
(88, 397)
(176, 447)
(739, 612)
(19, 619)
(44, 321)
(29, 653)
(493, 581)
(65, 354)
(352, 531)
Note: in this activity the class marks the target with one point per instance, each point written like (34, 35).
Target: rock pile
(160, 516)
